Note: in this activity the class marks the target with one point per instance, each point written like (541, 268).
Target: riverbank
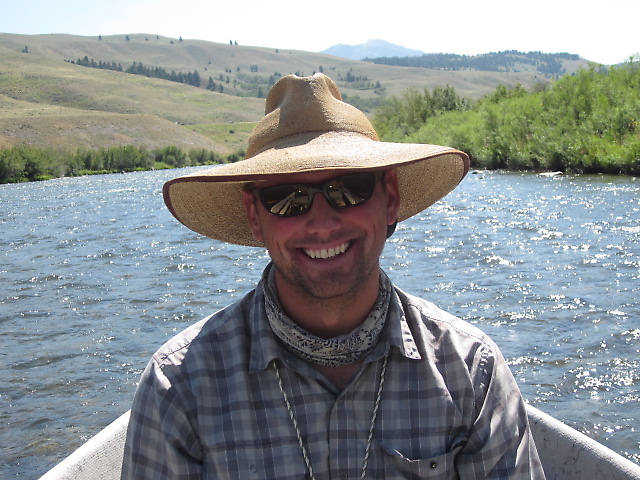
(29, 164)
(588, 122)
(26, 164)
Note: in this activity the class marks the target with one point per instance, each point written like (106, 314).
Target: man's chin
(330, 285)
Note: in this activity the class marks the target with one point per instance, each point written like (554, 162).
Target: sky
(603, 32)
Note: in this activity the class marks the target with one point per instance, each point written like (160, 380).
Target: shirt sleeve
(500, 444)
(161, 440)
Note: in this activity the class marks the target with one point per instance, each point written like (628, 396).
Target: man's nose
(322, 217)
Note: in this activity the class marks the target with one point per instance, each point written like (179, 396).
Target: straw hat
(306, 128)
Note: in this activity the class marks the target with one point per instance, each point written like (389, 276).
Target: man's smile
(327, 252)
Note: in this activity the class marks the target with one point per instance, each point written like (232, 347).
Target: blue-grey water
(95, 274)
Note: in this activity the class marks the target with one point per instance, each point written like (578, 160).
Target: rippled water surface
(95, 274)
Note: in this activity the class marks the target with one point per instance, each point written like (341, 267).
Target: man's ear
(249, 202)
(392, 191)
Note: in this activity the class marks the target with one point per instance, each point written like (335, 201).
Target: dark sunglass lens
(285, 200)
(350, 190)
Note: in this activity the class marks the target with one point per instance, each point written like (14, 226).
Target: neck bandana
(328, 352)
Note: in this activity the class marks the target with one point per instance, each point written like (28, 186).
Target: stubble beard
(337, 286)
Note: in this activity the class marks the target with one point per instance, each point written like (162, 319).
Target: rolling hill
(47, 101)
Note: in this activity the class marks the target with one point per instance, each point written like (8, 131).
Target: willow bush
(587, 122)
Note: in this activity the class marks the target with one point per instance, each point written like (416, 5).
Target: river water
(95, 275)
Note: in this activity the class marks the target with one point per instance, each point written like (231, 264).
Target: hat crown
(298, 105)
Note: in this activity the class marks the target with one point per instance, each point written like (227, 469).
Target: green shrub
(587, 122)
(23, 164)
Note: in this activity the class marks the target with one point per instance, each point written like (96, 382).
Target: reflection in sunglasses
(289, 203)
(341, 192)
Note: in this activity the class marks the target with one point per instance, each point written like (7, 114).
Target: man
(325, 369)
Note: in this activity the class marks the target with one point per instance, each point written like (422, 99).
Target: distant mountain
(371, 49)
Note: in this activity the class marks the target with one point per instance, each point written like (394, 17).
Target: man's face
(326, 252)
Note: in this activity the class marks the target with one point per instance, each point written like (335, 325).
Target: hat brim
(210, 202)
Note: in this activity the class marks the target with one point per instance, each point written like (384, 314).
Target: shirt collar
(398, 333)
(264, 346)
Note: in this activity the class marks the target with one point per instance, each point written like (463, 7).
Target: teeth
(328, 252)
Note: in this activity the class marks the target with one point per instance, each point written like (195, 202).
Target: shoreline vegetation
(25, 164)
(587, 122)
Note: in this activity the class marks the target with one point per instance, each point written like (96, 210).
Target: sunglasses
(293, 199)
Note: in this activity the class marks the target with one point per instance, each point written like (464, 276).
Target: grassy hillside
(52, 103)
(214, 59)
(37, 78)
(47, 101)
(227, 138)
(64, 128)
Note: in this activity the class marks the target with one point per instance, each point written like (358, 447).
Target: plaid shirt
(209, 406)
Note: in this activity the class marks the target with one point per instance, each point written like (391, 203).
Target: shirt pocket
(398, 466)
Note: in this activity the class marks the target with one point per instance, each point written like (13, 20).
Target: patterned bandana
(328, 352)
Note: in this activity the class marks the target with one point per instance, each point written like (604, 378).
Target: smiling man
(325, 369)
(327, 257)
